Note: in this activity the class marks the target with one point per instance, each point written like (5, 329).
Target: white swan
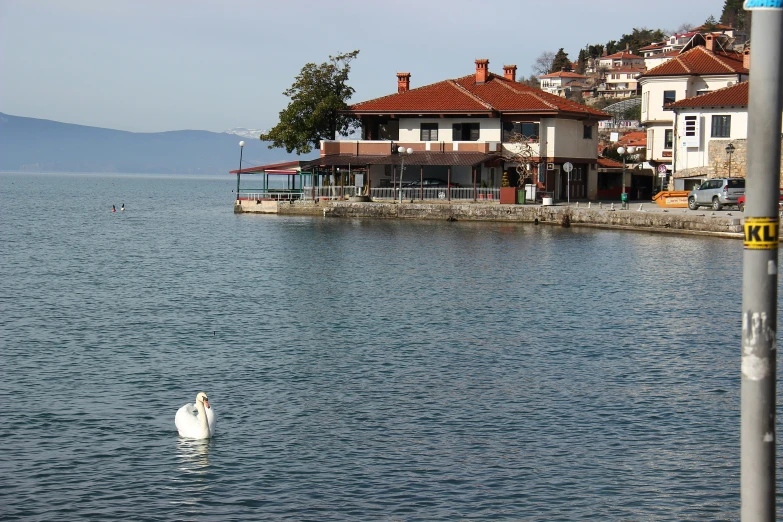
(198, 424)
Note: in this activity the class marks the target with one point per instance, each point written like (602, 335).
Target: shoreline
(640, 216)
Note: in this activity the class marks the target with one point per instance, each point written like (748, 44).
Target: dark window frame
(669, 97)
(721, 126)
(511, 128)
(587, 132)
(428, 132)
(468, 131)
(668, 138)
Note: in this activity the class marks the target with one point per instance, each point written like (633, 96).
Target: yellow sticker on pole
(761, 233)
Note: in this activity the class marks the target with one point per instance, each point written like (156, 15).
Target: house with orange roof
(621, 60)
(620, 82)
(699, 70)
(467, 131)
(562, 83)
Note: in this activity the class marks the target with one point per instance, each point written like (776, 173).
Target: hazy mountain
(30, 144)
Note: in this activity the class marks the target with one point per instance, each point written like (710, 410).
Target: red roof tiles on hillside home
(622, 54)
(734, 96)
(699, 61)
(464, 95)
(563, 74)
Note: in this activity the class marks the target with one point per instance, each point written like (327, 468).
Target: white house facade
(697, 71)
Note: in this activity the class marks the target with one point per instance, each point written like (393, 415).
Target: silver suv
(717, 192)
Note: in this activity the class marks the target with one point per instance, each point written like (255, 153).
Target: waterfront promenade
(640, 215)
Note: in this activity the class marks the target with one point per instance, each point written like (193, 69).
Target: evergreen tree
(594, 51)
(710, 24)
(561, 62)
(611, 47)
(640, 38)
(318, 94)
(735, 15)
(581, 62)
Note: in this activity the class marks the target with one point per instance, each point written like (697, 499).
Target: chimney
(403, 81)
(709, 42)
(510, 72)
(746, 59)
(482, 70)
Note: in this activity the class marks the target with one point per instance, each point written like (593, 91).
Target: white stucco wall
(489, 128)
(658, 120)
(690, 157)
(564, 138)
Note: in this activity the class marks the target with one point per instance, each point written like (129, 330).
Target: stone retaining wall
(671, 221)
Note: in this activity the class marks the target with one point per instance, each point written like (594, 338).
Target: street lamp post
(403, 152)
(730, 151)
(622, 151)
(241, 146)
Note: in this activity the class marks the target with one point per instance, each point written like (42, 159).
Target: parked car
(428, 183)
(741, 201)
(716, 193)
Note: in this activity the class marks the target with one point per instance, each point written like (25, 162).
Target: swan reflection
(194, 455)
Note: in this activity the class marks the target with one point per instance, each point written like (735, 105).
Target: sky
(162, 65)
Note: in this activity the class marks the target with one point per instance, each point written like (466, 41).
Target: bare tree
(683, 28)
(543, 63)
(521, 153)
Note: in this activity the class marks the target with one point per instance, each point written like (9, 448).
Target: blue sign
(763, 4)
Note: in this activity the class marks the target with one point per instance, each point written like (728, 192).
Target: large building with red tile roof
(467, 131)
(699, 70)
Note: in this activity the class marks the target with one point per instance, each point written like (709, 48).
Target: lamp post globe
(403, 152)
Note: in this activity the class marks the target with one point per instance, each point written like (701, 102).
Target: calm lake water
(359, 369)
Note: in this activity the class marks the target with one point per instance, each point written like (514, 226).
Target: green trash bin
(521, 197)
(624, 199)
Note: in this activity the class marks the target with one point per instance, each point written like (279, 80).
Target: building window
(526, 129)
(587, 132)
(668, 138)
(721, 126)
(669, 97)
(429, 132)
(465, 132)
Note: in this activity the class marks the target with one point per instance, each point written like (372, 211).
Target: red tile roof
(622, 54)
(563, 74)
(609, 163)
(734, 96)
(717, 27)
(464, 95)
(699, 61)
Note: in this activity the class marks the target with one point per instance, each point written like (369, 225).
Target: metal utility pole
(760, 263)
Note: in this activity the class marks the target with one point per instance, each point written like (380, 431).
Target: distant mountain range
(34, 145)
